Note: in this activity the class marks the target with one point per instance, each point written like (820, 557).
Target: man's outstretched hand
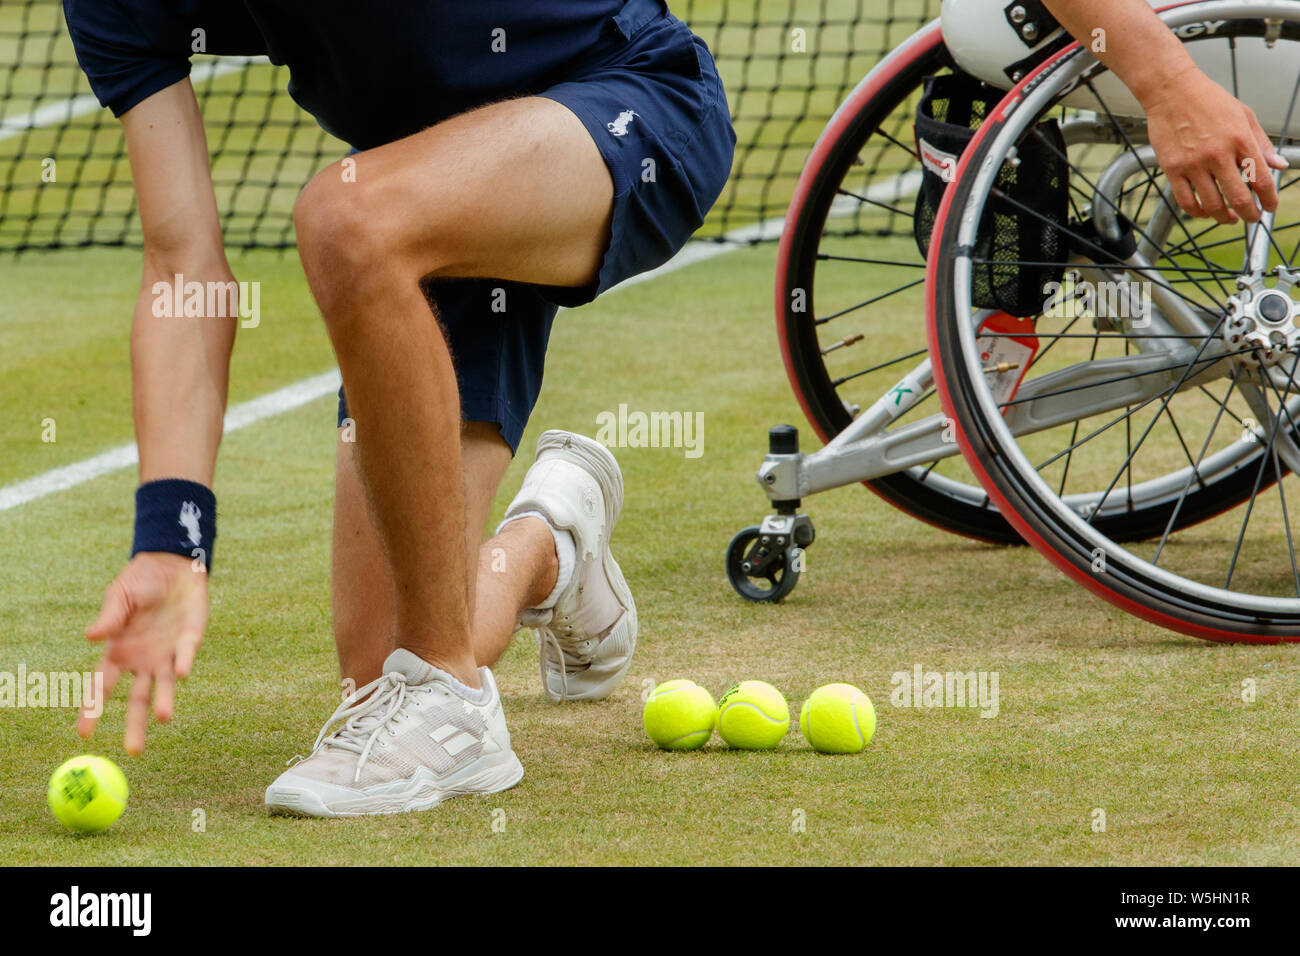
(1212, 149)
(152, 624)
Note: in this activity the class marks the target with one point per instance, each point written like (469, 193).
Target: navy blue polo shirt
(370, 71)
(374, 71)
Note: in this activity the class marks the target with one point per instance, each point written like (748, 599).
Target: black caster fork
(764, 561)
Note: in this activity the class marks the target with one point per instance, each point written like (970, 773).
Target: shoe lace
(563, 654)
(363, 716)
(551, 643)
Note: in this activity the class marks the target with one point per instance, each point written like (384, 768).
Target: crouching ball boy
(510, 158)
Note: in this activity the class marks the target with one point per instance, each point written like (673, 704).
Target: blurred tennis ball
(679, 715)
(753, 715)
(87, 793)
(838, 719)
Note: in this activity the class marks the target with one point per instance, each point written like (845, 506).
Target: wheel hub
(1262, 319)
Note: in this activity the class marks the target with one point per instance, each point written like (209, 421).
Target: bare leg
(432, 204)
(514, 570)
(361, 586)
(517, 570)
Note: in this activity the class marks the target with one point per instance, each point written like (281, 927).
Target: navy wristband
(176, 516)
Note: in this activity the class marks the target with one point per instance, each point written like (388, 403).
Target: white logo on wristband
(189, 520)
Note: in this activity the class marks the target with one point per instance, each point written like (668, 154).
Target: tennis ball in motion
(753, 716)
(680, 715)
(87, 793)
(838, 719)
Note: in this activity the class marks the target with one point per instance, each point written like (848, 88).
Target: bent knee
(356, 239)
(340, 231)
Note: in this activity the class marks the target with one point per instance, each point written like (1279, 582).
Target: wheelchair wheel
(1166, 390)
(849, 281)
(850, 298)
(759, 570)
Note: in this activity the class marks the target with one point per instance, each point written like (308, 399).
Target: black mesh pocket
(951, 110)
(1021, 244)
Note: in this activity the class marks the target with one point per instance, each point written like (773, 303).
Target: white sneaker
(586, 641)
(407, 741)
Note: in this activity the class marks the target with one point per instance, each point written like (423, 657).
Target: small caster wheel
(760, 569)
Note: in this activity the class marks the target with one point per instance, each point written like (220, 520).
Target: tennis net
(65, 181)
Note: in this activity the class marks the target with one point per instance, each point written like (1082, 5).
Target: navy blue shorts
(653, 102)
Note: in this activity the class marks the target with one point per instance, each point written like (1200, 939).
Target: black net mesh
(952, 109)
(65, 182)
(1022, 244)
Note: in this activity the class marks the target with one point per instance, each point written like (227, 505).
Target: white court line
(125, 456)
(266, 406)
(70, 109)
(308, 390)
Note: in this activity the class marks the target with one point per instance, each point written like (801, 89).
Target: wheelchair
(995, 316)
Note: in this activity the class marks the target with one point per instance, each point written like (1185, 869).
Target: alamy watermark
(922, 688)
(212, 300)
(1129, 302)
(637, 429)
(74, 908)
(75, 690)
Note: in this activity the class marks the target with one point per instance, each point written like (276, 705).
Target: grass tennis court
(1096, 710)
(1111, 741)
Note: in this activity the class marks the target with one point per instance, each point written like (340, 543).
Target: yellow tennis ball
(753, 716)
(87, 793)
(680, 715)
(838, 719)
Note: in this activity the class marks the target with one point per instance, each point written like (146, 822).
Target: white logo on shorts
(620, 125)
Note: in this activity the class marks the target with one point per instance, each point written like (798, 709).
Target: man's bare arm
(179, 365)
(154, 613)
(1204, 137)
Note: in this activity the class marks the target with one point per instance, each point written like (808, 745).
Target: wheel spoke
(875, 202)
(1163, 405)
(1064, 332)
(1032, 263)
(876, 368)
(1278, 473)
(1223, 404)
(1074, 432)
(1110, 258)
(1178, 432)
(1124, 417)
(910, 150)
(872, 301)
(1254, 493)
(828, 257)
(1195, 474)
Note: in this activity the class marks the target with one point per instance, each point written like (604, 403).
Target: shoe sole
(425, 795)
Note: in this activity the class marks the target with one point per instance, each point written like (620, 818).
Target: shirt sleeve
(124, 61)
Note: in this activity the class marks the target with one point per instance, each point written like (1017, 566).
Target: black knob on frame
(783, 440)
